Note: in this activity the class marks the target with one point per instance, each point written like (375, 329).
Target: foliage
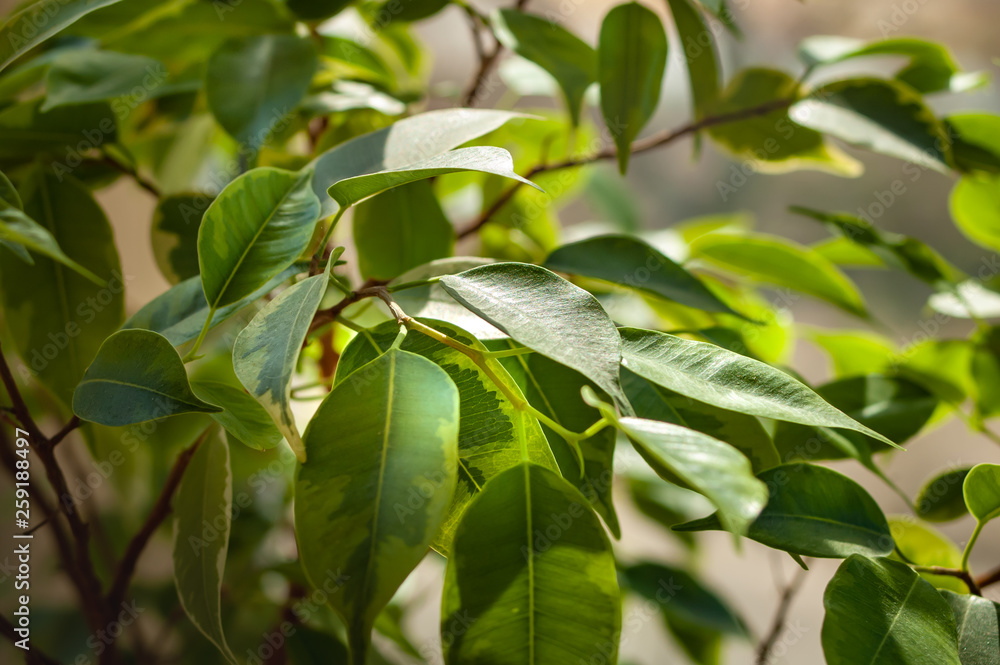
(364, 400)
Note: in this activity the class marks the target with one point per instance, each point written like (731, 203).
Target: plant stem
(778, 624)
(972, 542)
(392, 288)
(963, 575)
(329, 232)
(193, 353)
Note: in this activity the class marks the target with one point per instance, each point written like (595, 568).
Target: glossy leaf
(780, 262)
(547, 314)
(814, 511)
(17, 228)
(136, 376)
(401, 229)
(941, 498)
(507, 580)
(179, 313)
(58, 324)
(930, 68)
(86, 75)
(203, 509)
(375, 438)
(702, 59)
(254, 230)
(978, 623)
(242, 417)
(38, 21)
(266, 352)
(485, 159)
(490, 432)
(880, 611)
(631, 59)
(982, 492)
(570, 61)
(253, 83)
(882, 116)
(728, 380)
(174, 235)
(631, 262)
(404, 143)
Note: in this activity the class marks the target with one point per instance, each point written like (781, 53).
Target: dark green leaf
(508, 581)
(814, 511)
(26, 131)
(702, 59)
(175, 234)
(16, 228)
(38, 21)
(941, 498)
(880, 611)
(136, 376)
(631, 59)
(314, 10)
(255, 229)
(570, 61)
(633, 263)
(253, 83)
(389, 430)
(978, 623)
(85, 75)
(547, 314)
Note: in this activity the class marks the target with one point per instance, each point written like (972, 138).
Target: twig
(369, 289)
(963, 575)
(161, 509)
(778, 624)
(73, 423)
(487, 59)
(18, 406)
(988, 579)
(131, 171)
(642, 145)
(31, 656)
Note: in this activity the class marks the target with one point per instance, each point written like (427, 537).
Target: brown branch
(953, 572)
(132, 172)
(778, 624)
(988, 579)
(370, 289)
(487, 59)
(161, 509)
(18, 406)
(73, 423)
(32, 656)
(649, 143)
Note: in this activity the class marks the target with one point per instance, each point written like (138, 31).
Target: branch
(963, 575)
(19, 408)
(33, 655)
(486, 59)
(649, 143)
(73, 423)
(370, 289)
(131, 171)
(778, 624)
(988, 579)
(161, 509)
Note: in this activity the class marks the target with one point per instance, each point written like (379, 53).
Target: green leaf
(532, 570)
(490, 432)
(547, 314)
(814, 511)
(982, 492)
(485, 159)
(307, 646)
(631, 59)
(255, 229)
(975, 140)
(315, 10)
(728, 380)
(174, 234)
(203, 509)
(8, 193)
(743, 432)
(774, 260)
(433, 302)
(179, 313)
(854, 352)
(921, 544)
(136, 376)
(631, 262)
(699, 462)
(978, 623)
(985, 368)
(975, 207)
(84, 75)
(242, 417)
(417, 10)
(702, 59)
(25, 131)
(253, 83)
(941, 499)
(59, 323)
(38, 21)
(881, 116)
(570, 60)
(17, 228)
(266, 352)
(930, 69)
(554, 390)
(401, 229)
(404, 143)
(771, 142)
(376, 438)
(880, 611)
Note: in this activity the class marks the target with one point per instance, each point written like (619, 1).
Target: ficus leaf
(87, 75)
(702, 59)
(37, 22)
(982, 492)
(546, 313)
(941, 499)
(880, 611)
(174, 235)
(631, 59)
(978, 623)
(390, 428)
(16, 227)
(136, 376)
(241, 416)
(923, 545)
(203, 509)
(254, 230)
(508, 583)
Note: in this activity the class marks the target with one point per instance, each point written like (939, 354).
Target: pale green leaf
(242, 417)
(982, 492)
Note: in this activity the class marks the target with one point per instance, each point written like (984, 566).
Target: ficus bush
(330, 393)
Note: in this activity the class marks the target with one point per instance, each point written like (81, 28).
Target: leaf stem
(193, 353)
(392, 288)
(972, 542)
(329, 232)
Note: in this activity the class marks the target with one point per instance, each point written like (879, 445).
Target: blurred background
(670, 185)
